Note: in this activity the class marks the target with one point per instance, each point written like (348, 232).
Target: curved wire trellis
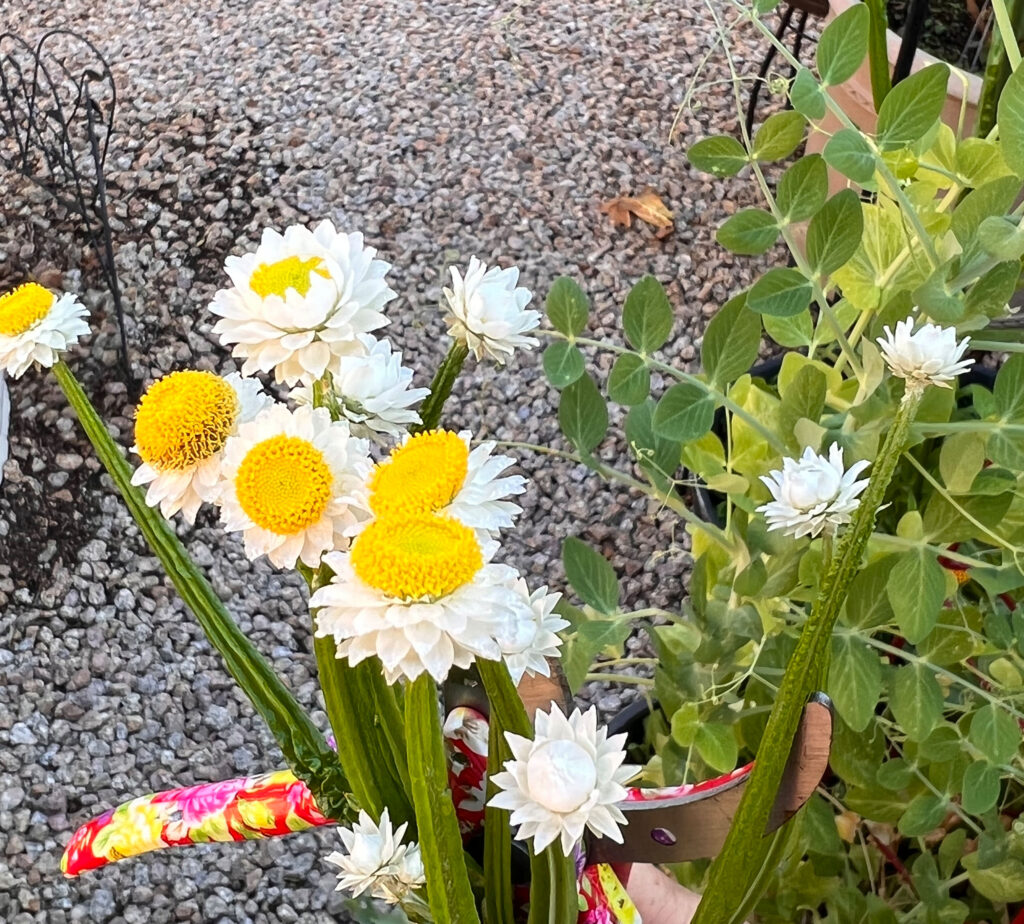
(56, 119)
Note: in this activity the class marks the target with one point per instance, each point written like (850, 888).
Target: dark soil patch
(947, 30)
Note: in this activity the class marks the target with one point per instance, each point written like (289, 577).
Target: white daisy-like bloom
(437, 472)
(488, 311)
(567, 779)
(813, 494)
(36, 326)
(181, 426)
(371, 391)
(927, 356)
(376, 860)
(418, 591)
(300, 301)
(286, 483)
(526, 644)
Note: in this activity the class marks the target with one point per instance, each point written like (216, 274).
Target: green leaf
(590, 639)
(915, 699)
(916, 590)
(960, 459)
(448, 890)
(936, 301)
(1001, 238)
(657, 456)
(843, 45)
(806, 95)
(867, 604)
(994, 198)
(854, 680)
(942, 745)
(684, 724)
(995, 733)
(582, 414)
(849, 152)
(991, 293)
(630, 380)
(1008, 394)
(981, 788)
(591, 576)
(1010, 116)
(780, 136)
(1001, 882)
(567, 307)
(717, 746)
(731, 342)
(1006, 449)
(924, 814)
(912, 107)
(794, 331)
(803, 397)
(803, 188)
(750, 232)
(781, 292)
(835, 232)
(647, 315)
(720, 155)
(563, 363)
(685, 412)
(979, 161)
(876, 803)
(895, 774)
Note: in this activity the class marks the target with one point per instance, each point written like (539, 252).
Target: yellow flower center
(25, 306)
(411, 557)
(184, 419)
(289, 273)
(284, 484)
(422, 476)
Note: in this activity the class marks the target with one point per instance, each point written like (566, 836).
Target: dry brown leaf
(647, 207)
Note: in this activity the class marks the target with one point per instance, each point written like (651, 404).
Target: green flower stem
(878, 51)
(441, 387)
(746, 848)
(360, 732)
(554, 894)
(373, 752)
(448, 890)
(304, 748)
(497, 835)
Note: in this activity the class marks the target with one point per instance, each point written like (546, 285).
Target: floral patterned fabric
(234, 810)
(278, 803)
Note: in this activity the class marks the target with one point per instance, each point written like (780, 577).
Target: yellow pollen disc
(184, 419)
(422, 476)
(411, 557)
(25, 306)
(289, 273)
(284, 484)
(962, 577)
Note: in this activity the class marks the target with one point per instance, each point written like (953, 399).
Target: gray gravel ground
(439, 129)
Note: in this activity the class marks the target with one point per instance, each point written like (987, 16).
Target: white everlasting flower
(812, 493)
(287, 479)
(527, 643)
(419, 592)
(568, 778)
(928, 356)
(37, 326)
(488, 311)
(371, 390)
(181, 426)
(437, 472)
(377, 861)
(300, 301)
